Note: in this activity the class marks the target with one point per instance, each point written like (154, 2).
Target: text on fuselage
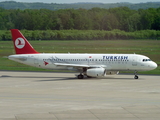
(115, 57)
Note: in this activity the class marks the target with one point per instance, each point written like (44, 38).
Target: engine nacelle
(112, 72)
(96, 72)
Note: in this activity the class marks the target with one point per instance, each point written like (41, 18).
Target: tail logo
(20, 43)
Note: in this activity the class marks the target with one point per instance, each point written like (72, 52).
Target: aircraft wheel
(135, 77)
(80, 76)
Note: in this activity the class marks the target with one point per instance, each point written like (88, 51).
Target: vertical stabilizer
(21, 45)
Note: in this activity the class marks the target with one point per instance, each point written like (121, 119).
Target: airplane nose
(154, 65)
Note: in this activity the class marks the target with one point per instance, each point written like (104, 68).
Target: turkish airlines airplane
(90, 65)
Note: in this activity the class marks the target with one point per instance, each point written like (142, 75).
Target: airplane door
(91, 60)
(36, 62)
(134, 61)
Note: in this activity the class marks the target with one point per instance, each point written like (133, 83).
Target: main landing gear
(136, 76)
(80, 76)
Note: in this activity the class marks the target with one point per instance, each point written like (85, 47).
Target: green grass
(150, 48)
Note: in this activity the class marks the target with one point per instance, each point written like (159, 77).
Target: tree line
(121, 18)
(84, 5)
(5, 35)
(82, 24)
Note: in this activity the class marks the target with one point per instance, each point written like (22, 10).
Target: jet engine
(96, 72)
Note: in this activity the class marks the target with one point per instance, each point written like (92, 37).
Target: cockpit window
(145, 60)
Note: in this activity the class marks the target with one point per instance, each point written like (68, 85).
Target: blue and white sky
(75, 1)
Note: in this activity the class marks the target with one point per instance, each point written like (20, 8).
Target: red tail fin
(21, 45)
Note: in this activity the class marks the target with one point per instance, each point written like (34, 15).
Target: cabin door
(134, 61)
(36, 62)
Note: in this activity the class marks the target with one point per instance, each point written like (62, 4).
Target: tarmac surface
(61, 96)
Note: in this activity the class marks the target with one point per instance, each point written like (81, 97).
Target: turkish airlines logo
(20, 43)
(46, 63)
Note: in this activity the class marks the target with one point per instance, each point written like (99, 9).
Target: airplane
(88, 65)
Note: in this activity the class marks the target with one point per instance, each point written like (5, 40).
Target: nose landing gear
(136, 76)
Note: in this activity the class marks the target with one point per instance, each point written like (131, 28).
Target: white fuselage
(111, 62)
(90, 65)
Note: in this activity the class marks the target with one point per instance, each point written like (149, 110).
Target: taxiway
(61, 96)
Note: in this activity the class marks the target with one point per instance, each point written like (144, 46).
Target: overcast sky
(75, 1)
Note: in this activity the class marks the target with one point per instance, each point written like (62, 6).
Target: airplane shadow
(123, 79)
(27, 76)
(89, 79)
(39, 77)
(46, 79)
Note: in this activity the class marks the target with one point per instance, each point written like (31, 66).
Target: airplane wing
(71, 65)
(79, 65)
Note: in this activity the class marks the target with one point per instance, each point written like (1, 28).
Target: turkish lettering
(115, 57)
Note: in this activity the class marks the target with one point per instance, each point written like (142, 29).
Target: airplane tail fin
(21, 45)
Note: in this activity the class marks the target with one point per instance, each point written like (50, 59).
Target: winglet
(21, 45)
